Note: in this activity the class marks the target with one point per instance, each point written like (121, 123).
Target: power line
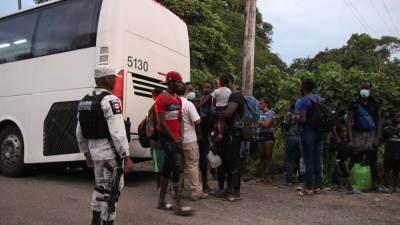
(390, 17)
(356, 16)
(361, 17)
(381, 17)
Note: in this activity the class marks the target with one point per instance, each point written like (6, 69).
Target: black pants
(173, 159)
(229, 152)
(204, 149)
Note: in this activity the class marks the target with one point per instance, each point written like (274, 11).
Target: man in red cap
(168, 107)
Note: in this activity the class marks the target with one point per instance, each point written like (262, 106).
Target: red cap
(173, 76)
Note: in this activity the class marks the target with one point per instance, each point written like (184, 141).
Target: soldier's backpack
(250, 120)
(324, 115)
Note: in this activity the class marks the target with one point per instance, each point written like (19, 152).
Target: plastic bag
(361, 177)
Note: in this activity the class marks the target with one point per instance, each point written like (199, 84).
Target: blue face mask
(364, 93)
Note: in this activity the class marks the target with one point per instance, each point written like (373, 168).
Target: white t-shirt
(221, 95)
(189, 115)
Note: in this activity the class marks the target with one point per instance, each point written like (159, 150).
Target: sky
(302, 28)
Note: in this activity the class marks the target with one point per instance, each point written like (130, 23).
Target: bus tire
(11, 152)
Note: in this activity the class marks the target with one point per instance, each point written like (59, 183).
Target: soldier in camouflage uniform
(102, 138)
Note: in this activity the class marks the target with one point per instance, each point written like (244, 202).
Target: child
(343, 153)
(220, 98)
(391, 138)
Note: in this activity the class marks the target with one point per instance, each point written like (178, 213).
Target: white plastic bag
(215, 160)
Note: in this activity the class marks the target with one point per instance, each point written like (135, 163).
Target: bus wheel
(11, 152)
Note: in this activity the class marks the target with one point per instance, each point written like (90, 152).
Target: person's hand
(376, 143)
(89, 161)
(128, 164)
(338, 140)
(178, 140)
(153, 143)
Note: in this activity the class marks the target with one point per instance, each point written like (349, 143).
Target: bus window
(16, 35)
(66, 26)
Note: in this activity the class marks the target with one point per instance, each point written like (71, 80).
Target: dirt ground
(49, 198)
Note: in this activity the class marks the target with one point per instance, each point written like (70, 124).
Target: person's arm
(379, 128)
(205, 100)
(229, 111)
(83, 146)
(266, 123)
(350, 125)
(303, 115)
(112, 109)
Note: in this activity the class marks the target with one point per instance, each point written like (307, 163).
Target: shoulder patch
(116, 106)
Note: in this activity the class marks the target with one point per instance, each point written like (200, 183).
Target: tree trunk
(248, 47)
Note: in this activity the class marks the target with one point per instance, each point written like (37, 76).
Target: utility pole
(19, 4)
(248, 47)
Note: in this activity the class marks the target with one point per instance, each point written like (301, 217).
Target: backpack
(324, 115)
(147, 129)
(364, 119)
(250, 119)
(142, 132)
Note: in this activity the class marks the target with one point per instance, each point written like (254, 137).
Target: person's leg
(191, 168)
(262, 156)
(319, 145)
(307, 145)
(232, 153)
(395, 174)
(98, 192)
(108, 175)
(269, 147)
(204, 149)
(289, 160)
(372, 157)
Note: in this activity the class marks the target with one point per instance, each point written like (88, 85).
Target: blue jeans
(292, 157)
(312, 145)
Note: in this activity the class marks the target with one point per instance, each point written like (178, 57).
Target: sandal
(305, 192)
(317, 191)
(165, 206)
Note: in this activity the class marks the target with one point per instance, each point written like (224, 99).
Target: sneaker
(384, 189)
(397, 190)
(353, 192)
(197, 197)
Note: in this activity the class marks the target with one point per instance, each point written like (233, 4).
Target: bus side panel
(75, 68)
(16, 109)
(140, 83)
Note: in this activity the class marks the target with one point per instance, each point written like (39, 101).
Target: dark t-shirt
(372, 108)
(343, 150)
(391, 136)
(237, 119)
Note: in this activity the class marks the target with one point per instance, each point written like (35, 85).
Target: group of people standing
(185, 130)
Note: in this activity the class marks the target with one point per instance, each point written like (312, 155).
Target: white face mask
(191, 95)
(364, 93)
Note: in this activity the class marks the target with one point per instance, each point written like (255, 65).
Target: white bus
(47, 57)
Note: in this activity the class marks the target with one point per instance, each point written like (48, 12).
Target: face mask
(364, 93)
(191, 95)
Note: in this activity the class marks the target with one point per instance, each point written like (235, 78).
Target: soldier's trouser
(103, 179)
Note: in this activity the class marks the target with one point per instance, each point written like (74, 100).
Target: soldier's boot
(96, 218)
(107, 223)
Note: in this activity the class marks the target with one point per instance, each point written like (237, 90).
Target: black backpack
(324, 115)
(142, 132)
